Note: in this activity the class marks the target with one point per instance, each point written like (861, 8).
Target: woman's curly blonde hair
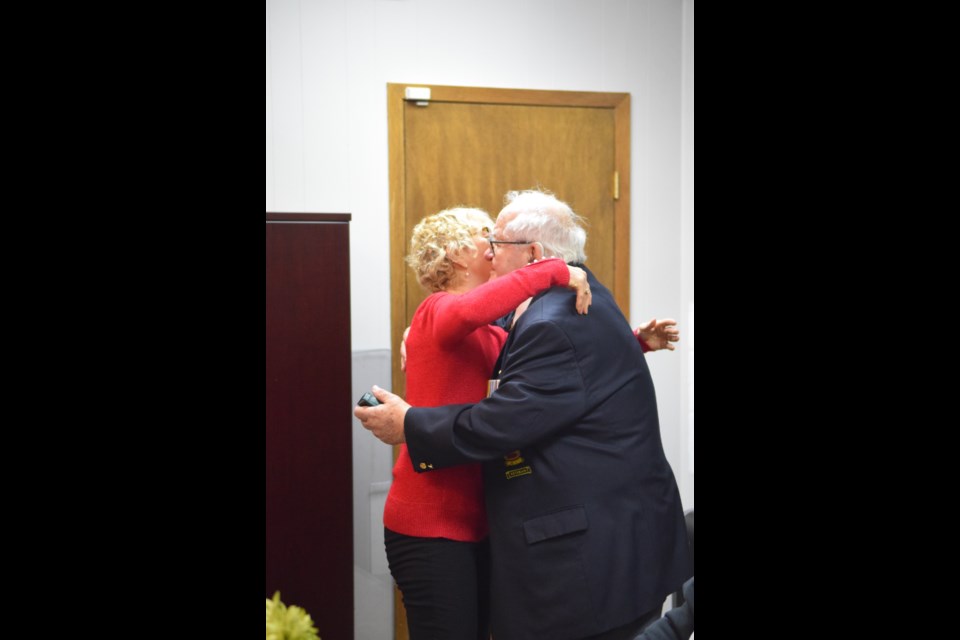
(439, 239)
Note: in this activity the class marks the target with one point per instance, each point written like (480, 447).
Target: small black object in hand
(368, 400)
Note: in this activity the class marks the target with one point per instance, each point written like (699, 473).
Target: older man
(587, 531)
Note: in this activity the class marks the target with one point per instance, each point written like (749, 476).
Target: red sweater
(452, 349)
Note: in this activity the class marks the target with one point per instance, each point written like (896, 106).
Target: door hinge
(616, 185)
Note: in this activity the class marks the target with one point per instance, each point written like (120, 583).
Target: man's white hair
(542, 218)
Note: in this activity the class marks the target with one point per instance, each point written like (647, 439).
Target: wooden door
(469, 146)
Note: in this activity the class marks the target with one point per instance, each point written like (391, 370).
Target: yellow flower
(288, 623)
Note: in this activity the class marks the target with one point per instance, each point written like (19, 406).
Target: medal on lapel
(511, 461)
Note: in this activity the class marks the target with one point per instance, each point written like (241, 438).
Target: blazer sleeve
(541, 393)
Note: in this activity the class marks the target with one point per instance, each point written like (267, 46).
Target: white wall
(327, 66)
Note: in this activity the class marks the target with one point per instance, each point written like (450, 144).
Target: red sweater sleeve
(458, 315)
(643, 345)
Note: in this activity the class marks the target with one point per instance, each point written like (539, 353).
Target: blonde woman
(435, 524)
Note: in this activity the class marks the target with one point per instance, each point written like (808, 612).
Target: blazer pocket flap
(555, 524)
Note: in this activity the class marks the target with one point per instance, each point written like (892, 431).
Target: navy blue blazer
(586, 526)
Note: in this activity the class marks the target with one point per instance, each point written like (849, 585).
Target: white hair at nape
(542, 218)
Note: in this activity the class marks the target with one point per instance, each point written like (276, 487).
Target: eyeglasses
(493, 243)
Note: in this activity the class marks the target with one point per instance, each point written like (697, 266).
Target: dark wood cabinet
(309, 467)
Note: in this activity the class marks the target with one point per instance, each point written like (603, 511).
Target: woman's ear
(457, 259)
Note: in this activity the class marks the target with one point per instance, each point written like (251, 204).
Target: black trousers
(445, 586)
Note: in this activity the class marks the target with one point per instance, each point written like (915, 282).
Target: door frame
(399, 233)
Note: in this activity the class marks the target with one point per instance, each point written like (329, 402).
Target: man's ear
(537, 251)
